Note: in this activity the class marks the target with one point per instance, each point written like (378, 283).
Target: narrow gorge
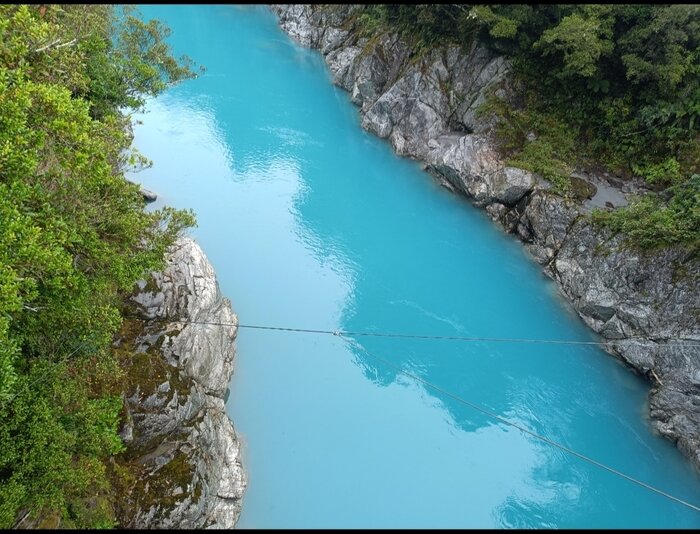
(463, 243)
(315, 226)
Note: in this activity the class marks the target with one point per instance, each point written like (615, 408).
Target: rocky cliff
(646, 305)
(182, 464)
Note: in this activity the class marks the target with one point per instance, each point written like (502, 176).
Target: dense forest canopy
(611, 84)
(74, 238)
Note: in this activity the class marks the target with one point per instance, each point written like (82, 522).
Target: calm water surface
(311, 222)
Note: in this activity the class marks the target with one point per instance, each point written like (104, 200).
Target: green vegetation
(425, 25)
(653, 221)
(620, 83)
(74, 238)
(550, 149)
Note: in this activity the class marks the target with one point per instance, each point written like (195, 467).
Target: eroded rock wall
(181, 446)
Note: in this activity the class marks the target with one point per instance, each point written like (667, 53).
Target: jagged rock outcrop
(647, 305)
(181, 446)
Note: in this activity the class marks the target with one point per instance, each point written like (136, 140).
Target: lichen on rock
(182, 450)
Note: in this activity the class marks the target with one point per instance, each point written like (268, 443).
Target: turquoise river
(311, 222)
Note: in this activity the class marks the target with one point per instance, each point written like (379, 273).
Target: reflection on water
(312, 223)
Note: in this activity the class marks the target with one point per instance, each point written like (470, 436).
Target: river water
(310, 222)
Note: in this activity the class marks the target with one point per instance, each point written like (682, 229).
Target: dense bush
(74, 237)
(653, 222)
(425, 24)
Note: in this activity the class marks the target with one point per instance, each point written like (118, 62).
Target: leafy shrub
(74, 237)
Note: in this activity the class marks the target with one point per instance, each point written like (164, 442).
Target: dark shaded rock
(582, 189)
(510, 185)
(148, 196)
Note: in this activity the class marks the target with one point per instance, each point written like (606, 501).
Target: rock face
(148, 196)
(180, 443)
(646, 305)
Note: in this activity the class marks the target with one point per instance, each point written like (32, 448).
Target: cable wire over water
(675, 343)
(535, 435)
(348, 336)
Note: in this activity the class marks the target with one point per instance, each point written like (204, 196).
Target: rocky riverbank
(182, 466)
(647, 305)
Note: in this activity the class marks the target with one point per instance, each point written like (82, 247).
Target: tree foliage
(74, 237)
(425, 24)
